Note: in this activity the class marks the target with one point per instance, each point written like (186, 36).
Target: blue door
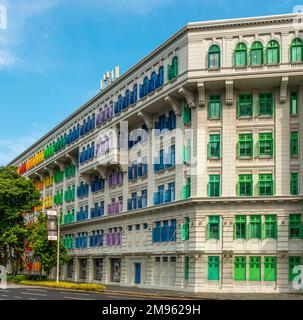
(137, 273)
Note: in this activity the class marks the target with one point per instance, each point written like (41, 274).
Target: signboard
(52, 225)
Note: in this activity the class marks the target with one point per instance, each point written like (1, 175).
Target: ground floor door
(137, 273)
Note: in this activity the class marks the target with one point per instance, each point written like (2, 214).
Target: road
(14, 292)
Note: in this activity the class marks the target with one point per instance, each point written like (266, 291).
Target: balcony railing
(164, 234)
(97, 212)
(82, 215)
(137, 203)
(114, 239)
(115, 207)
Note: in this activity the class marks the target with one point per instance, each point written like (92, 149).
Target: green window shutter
(270, 268)
(240, 55)
(256, 53)
(175, 67)
(294, 103)
(294, 183)
(254, 268)
(169, 72)
(214, 188)
(186, 115)
(245, 185)
(214, 146)
(266, 185)
(186, 268)
(255, 227)
(266, 104)
(295, 226)
(270, 227)
(240, 227)
(245, 105)
(240, 268)
(273, 52)
(245, 145)
(214, 107)
(214, 57)
(294, 144)
(214, 227)
(293, 261)
(265, 144)
(296, 50)
(185, 230)
(213, 268)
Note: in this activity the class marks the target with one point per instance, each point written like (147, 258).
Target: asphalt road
(30, 293)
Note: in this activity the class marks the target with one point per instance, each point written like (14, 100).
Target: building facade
(186, 172)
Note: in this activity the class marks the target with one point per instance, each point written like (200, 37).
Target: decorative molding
(50, 171)
(201, 94)
(72, 158)
(60, 165)
(189, 96)
(148, 119)
(283, 89)
(175, 103)
(40, 175)
(229, 95)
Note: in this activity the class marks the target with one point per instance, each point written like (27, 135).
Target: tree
(43, 249)
(17, 196)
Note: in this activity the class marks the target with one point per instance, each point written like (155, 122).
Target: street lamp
(58, 209)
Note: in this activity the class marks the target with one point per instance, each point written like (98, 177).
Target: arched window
(273, 52)
(214, 57)
(296, 51)
(135, 92)
(241, 54)
(127, 98)
(153, 81)
(256, 53)
(161, 76)
(145, 86)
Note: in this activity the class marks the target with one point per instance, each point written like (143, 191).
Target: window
(270, 268)
(293, 262)
(186, 115)
(294, 183)
(265, 144)
(137, 227)
(186, 268)
(245, 186)
(245, 105)
(294, 144)
(240, 268)
(270, 227)
(266, 185)
(214, 146)
(145, 226)
(214, 57)
(130, 228)
(214, 227)
(172, 69)
(185, 230)
(240, 54)
(294, 104)
(213, 268)
(256, 53)
(296, 50)
(254, 268)
(273, 52)
(240, 227)
(214, 185)
(214, 107)
(245, 146)
(295, 226)
(266, 104)
(255, 227)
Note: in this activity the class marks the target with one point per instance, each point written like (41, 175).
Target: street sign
(52, 226)
(52, 213)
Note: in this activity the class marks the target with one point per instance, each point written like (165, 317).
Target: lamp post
(58, 207)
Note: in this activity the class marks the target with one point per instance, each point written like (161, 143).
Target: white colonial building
(209, 201)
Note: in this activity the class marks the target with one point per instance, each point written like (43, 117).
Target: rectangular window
(255, 227)
(245, 185)
(293, 262)
(294, 104)
(214, 227)
(245, 105)
(266, 185)
(186, 115)
(254, 268)
(270, 268)
(295, 226)
(214, 146)
(270, 227)
(214, 107)
(240, 227)
(245, 145)
(294, 183)
(294, 144)
(185, 230)
(240, 269)
(266, 104)
(265, 144)
(214, 185)
(213, 268)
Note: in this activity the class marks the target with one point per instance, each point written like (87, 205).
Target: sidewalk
(201, 296)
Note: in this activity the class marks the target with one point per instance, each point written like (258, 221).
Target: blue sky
(54, 52)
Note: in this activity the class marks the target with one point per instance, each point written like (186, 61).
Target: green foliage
(43, 249)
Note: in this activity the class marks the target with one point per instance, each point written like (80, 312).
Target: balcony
(136, 203)
(164, 196)
(164, 234)
(96, 240)
(69, 218)
(97, 185)
(87, 154)
(114, 239)
(81, 242)
(82, 215)
(104, 115)
(137, 171)
(97, 212)
(115, 207)
(82, 190)
(115, 179)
